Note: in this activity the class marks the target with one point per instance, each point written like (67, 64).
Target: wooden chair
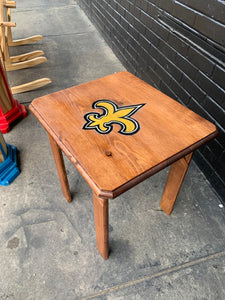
(12, 4)
(10, 108)
(19, 61)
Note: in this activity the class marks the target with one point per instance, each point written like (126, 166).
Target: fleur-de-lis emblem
(112, 114)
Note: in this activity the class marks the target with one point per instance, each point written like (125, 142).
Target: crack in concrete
(46, 7)
(156, 275)
(72, 33)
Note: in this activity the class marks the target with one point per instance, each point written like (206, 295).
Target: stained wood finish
(174, 182)
(113, 163)
(101, 225)
(168, 132)
(60, 168)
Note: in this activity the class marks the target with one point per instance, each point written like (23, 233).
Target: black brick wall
(178, 47)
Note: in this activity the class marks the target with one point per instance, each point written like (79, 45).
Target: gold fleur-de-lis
(112, 114)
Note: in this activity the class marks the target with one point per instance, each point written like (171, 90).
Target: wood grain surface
(174, 182)
(101, 225)
(168, 131)
(60, 169)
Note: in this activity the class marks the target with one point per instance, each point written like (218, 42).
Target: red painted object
(10, 108)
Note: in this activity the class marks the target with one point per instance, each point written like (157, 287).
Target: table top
(118, 130)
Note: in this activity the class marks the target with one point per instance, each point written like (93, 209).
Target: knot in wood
(108, 153)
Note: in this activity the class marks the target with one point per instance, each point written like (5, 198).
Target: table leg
(101, 225)
(174, 182)
(57, 153)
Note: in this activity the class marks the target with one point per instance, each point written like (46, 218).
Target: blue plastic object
(8, 168)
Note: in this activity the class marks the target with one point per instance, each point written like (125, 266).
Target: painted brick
(176, 43)
(166, 5)
(162, 32)
(213, 90)
(139, 26)
(209, 155)
(164, 76)
(186, 66)
(135, 11)
(154, 1)
(192, 88)
(113, 4)
(141, 65)
(104, 4)
(215, 110)
(120, 10)
(220, 166)
(164, 61)
(147, 58)
(203, 164)
(145, 43)
(221, 137)
(210, 28)
(174, 70)
(182, 95)
(124, 23)
(116, 15)
(201, 61)
(152, 37)
(132, 51)
(184, 13)
(152, 10)
(216, 147)
(165, 89)
(196, 107)
(217, 182)
(153, 77)
(218, 162)
(196, 39)
(146, 19)
(134, 33)
(211, 175)
(129, 17)
(218, 76)
(107, 13)
(143, 4)
(168, 51)
(214, 9)
(125, 4)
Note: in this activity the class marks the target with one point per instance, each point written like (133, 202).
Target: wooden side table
(118, 131)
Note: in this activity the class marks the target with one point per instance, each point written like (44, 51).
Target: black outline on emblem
(109, 125)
